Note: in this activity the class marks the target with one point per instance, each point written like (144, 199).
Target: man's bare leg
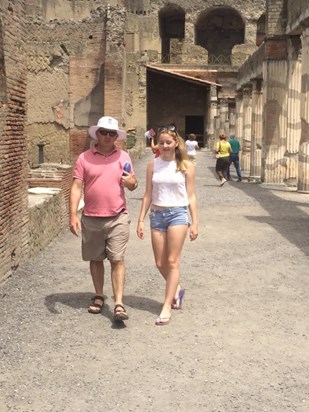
(118, 278)
(97, 274)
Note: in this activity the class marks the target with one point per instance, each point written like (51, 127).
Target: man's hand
(128, 181)
(75, 226)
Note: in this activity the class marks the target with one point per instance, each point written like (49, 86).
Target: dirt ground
(240, 343)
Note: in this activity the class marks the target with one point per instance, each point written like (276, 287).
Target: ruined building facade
(205, 65)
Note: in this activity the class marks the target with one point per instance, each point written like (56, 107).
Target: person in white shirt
(170, 192)
(192, 146)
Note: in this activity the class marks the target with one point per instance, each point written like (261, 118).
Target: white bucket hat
(109, 123)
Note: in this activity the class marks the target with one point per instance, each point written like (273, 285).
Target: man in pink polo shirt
(99, 174)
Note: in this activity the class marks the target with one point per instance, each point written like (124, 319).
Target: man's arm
(75, 196)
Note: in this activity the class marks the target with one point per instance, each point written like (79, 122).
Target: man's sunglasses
(170, 127)
(111, 133)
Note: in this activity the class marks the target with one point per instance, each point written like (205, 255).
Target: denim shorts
(162, 219)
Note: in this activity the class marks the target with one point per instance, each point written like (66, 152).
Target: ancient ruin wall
(65, 85)
(75, 10)
(143, 43)
(13, 151)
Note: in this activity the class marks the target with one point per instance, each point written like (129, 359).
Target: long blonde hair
(180, 151)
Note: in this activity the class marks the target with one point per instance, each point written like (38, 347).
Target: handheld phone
(126, 168)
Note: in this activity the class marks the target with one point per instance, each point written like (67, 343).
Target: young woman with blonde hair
(169, 193)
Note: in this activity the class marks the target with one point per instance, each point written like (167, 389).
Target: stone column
(247, 122)
(239, 120)
(293, 108)
(239, 116)
(232, 123)
(275, 120)
(224, 110)
(303, 158)
(257, 130)
(213, 112)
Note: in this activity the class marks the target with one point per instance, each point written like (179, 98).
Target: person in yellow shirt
(222, 150)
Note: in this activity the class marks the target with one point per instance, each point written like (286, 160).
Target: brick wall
(276, 48)
(13, 153)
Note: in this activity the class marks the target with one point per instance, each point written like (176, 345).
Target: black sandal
(98, 306)
(120, 315)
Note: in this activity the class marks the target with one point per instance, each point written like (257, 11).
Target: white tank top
(168, 185)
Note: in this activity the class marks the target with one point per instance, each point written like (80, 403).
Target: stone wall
(53, 175)
(46, 213)
(49, 193)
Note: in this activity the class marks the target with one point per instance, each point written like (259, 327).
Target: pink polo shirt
(103, 194)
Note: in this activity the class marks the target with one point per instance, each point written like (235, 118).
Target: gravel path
(239, 344)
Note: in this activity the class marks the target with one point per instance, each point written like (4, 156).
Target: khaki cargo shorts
(105, 237)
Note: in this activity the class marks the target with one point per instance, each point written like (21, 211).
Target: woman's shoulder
(152, 161)
(189, 166)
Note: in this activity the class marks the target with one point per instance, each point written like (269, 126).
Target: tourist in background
(170, 191)
(234, 158)
(192, 146)
(154, 147)
(99, 174)
(222, 150)
(151, 136)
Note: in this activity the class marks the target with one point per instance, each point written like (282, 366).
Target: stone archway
(218, 30)
(172, 26)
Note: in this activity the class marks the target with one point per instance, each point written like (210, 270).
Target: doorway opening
(195, 124)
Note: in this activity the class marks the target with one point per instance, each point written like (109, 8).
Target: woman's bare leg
(167, 247)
